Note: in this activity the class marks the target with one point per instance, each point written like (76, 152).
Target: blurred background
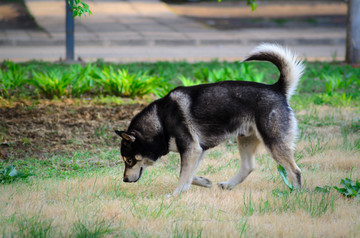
(151, 30)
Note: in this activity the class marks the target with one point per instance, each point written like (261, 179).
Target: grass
(34, 227)
(81, 193)
(66, 165)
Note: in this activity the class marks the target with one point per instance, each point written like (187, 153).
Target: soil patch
(38, 130)
(14, 16)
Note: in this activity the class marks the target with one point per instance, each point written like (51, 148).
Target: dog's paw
(203, 182)
(226, 185)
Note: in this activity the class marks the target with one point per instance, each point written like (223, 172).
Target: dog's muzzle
(126, 179)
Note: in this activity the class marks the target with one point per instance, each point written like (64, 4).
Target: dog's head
(131, 152)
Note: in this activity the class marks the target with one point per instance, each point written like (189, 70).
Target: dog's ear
(126, 136)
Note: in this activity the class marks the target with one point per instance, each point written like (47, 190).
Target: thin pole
(69, 31)
(353, 32)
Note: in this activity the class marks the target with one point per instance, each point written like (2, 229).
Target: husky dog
(191, 120)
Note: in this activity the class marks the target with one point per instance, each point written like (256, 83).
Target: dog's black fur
(213, 109)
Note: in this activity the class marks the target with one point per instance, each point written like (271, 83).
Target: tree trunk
(353, 32)
(69, 32)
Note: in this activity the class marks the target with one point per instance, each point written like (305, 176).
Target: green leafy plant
(350, 189)
(250, 73)
(283, 175)
(245, 72)
(79, 8)
(333, 83)
(185, 81)
(51, 84)
(205, 75)
(121, 83)
(10, 174)
(12, 79)
(341, 88)
(82, 82)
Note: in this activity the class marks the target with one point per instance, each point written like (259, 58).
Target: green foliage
(10, 174)
(188, 82)
(331, 79)
(323, 83)
(252, 4)
(244, 72)
(283, 175)
(80, 8)
(51, 84)
(12, 78)
(350, 189)
(82, 83)
(121, 83)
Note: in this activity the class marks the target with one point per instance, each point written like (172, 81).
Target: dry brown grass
(142, 209)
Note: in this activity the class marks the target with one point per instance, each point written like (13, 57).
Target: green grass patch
(85, 229)
(313, 203)
(59, 165)
(34, 227)
(323, 83)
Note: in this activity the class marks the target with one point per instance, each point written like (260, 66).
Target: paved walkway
(148, 30)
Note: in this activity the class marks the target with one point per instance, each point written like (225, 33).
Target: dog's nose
(126, 180)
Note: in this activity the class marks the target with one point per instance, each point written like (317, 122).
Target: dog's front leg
(189, 162)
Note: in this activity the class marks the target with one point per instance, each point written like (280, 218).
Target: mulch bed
(42, 129)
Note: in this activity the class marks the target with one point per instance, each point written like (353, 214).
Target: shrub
(121, 83)
(12, 79)
(52, 84)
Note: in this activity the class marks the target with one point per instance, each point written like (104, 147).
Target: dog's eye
(128, 161)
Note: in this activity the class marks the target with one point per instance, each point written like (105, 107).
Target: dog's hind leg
(278, 131)
(247, 148)
(284, 155)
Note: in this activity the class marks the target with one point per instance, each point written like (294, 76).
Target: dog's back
(217, 111)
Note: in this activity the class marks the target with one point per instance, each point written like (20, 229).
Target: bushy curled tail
(291, 68)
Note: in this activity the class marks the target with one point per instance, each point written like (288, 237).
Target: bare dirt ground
(60, 127)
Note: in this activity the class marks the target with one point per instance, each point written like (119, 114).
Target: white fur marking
(183, 101)
(293, 67)
(172, 145)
